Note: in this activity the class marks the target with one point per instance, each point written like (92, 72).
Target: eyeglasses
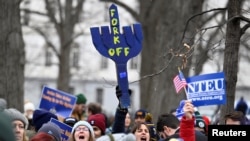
(84, 129)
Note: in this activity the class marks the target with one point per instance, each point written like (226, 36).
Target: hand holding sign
(188, 109)
(118, 47)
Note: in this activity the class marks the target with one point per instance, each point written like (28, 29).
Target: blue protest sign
(179, 110)
(207, 89)
(56, 101)
(118, 47)
(65, 129)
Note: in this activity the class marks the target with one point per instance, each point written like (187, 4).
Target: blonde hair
(25, 137)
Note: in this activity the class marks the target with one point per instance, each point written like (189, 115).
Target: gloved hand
(119, 94)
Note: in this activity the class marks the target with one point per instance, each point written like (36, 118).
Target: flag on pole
(179, 82)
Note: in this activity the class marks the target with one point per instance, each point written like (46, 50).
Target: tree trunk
(64, 69)
(230, 65)
(69, 16)
(12, 54)
(163, 25)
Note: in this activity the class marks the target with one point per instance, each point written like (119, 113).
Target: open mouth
(81, 137)
(143, 138)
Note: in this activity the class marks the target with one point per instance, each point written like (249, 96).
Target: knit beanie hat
(51, 129)
(5, 124)
(83, 123)
(3, 104)
(207, 122)
(151, 126)
(141, 113)
(81, 99)
(199, 122)
(40, 117)
(29, 106)
(98, 120)
(241, 106)
(14, 114)
(70, 121)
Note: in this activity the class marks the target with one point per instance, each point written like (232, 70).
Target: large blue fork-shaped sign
(118, 47)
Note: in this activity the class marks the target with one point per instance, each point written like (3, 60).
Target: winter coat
(187, 131)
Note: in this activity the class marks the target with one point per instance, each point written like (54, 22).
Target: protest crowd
(88, 123)
(77, 120)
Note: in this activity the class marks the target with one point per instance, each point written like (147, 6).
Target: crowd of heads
(88, 122)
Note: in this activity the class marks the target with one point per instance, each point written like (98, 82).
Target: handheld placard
(118, 47)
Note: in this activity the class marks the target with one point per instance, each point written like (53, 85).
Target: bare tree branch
(154, 74)
(173, 55)
(74, 37)
(243, 18)
(48, 42)
(199, 14)
(211, 17)
(33, 12)
(52, 17)
(78, 10)
(60, 10)
(68, 13)
(244, 28)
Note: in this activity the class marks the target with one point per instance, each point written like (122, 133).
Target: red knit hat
(207, 122)
(98, 120)
(206, 119)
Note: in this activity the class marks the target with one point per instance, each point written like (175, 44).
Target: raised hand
(188, 109)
